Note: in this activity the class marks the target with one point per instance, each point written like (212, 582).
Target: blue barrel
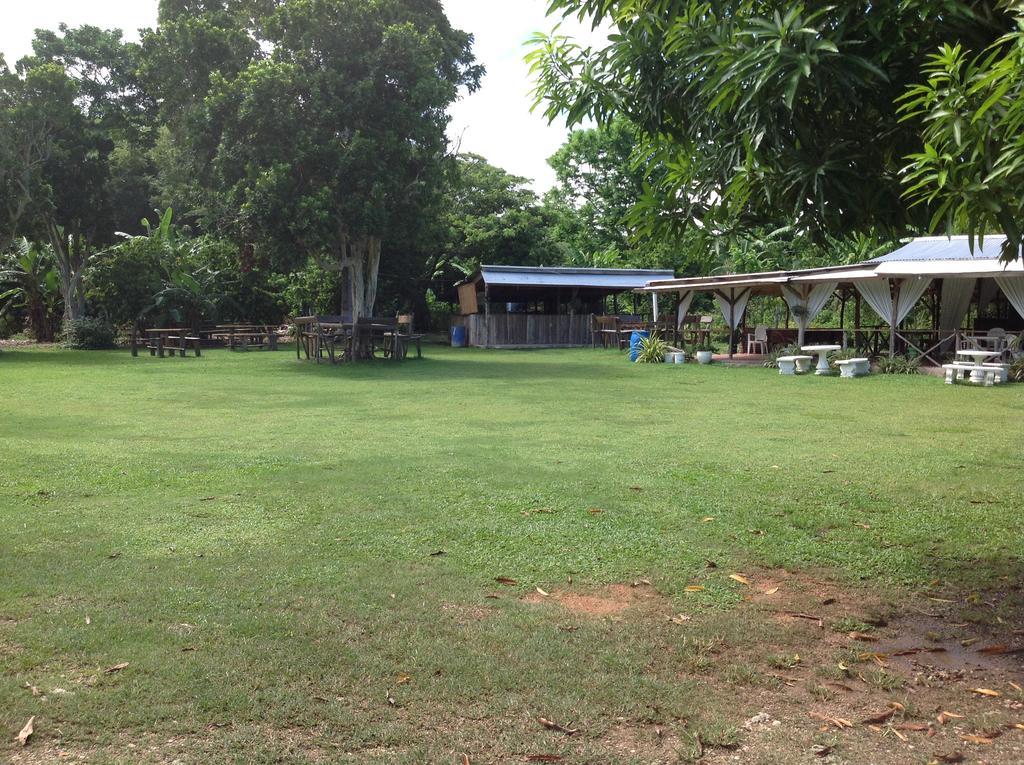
(458, 337)
(634, 343)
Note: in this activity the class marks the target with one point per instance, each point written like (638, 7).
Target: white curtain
(911, 291)
(805, 305)
(1013, 288)
(876, 292)
(685, 300)
(956, 301)
(738, 301)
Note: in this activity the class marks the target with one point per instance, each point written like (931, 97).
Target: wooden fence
(527, 329)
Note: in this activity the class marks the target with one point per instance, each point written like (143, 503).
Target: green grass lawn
(256, 538)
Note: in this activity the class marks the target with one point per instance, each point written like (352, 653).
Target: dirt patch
(607, 602)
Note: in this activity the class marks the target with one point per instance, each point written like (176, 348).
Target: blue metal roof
(598, 278)
(945, 248)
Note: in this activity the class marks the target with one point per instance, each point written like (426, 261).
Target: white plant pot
(704, 357)
(679, 358)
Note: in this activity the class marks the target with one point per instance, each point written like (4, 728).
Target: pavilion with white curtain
(946, 268)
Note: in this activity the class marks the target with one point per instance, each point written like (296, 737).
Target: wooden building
(531, 307)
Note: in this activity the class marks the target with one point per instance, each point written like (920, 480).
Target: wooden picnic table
(162, 339)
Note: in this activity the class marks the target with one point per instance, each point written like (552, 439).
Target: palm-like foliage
(971, 169)
(760, 112)
(29, 285)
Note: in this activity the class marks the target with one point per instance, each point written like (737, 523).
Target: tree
(970, 171)
(67, 110)
(757, 112)
(334, 132)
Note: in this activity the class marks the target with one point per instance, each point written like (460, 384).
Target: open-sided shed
(524, 306)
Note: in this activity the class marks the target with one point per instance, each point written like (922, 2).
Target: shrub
(1017, 371)
(88, 334)
(899, 365)
(772, 360)
(652, 350)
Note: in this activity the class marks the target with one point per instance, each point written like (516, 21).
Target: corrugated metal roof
(945, 248)
(600, 278)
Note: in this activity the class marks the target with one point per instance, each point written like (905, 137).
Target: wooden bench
(245, 336)
(791, 365)
(960, 372)
(854, 367)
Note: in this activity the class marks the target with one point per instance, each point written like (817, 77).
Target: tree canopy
(761, 113)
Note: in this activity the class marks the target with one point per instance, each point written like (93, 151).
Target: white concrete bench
(979, 375)
(854, 367)
(791, 365)
(1002, 371)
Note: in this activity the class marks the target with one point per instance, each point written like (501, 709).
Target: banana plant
(31, 286)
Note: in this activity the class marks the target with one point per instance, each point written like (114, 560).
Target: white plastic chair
(758, 340)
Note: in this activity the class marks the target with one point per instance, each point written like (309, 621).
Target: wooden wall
(528, 329)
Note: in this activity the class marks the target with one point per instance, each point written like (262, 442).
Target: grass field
(298, 563)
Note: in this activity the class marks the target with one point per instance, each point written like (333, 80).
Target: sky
(495, 121)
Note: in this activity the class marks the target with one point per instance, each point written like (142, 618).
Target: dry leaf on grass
(863, 637)
(544, 758)
(465, 760)
(550, 725)
(694, 588)
(708, 519)
(505, 580)
(772, 591)
(641, 582)
(839, 722)
(402, 679)
(978, 740)
(35, 691)
(88, 621)
(27, 731)
(740, 578)
(115, 668)
(945, 717)
(952, 757)
(998, 650)
(543, 593)
(595, 511)
(680, 618)
(914, 726)
(986, 692)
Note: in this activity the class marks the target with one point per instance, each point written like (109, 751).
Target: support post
(895, 290)
(654, 306)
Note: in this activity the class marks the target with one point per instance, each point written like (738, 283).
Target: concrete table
(977, 356)
(823, 352)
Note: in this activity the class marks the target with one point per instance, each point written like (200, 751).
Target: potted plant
(705, 351)
(653, 350)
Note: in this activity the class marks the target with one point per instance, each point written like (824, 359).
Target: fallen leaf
(543, 593)
(505, 580)
(978, 740)
(839, 722)
(1019, 726)
(740, 578)
(114, 556)
(879, 718)
(820, 750)
(969, 642)
(465, 760)
(708, 563)
(945, 717)
(952, 757)
(544, 758)
(997, 650)
(680, 618)
(986, 692)
(390, 699)
(694, 588)
(402, 679)
(1015, 687)
(708, 519)
(865, 526)
(115, 668)
(640, 582)
(636, 488)
(772, 591)
(492, 596)
(914, 726)
(595, 511)
(863, 637)
(88, 621)
(438, 553)
(27, 731)
(555, 726)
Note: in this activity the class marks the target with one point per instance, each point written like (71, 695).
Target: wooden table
(171, 339)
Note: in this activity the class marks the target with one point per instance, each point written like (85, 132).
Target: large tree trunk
(357, 261)
(70, 253)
